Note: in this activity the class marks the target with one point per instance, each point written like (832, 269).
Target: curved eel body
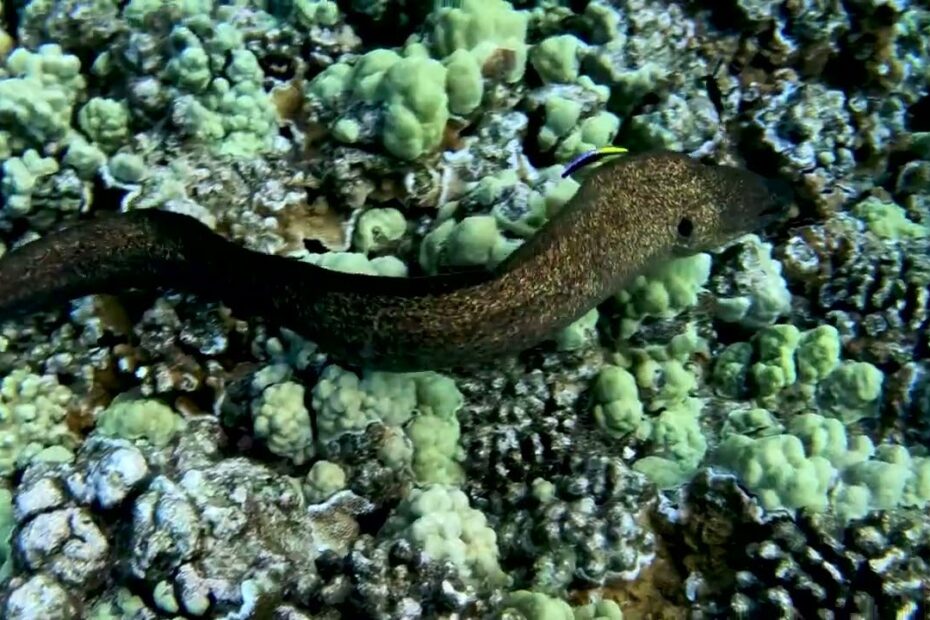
(628, 213)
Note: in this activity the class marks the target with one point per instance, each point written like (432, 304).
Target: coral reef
(737, 562)
(740, 432)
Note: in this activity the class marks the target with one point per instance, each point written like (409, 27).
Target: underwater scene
(464, 309)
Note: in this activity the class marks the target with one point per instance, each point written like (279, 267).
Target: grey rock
(65, 543)
(39, 598)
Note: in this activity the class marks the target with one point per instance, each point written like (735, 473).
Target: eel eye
(685, 227)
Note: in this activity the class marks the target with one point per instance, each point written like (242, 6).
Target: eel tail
(145, 249)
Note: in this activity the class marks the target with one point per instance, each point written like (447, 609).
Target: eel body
(627, 214)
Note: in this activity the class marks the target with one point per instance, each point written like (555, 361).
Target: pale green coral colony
(813, 462)
(33, 419)
(140, 419)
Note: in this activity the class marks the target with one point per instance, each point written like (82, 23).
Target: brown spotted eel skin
(629, 213)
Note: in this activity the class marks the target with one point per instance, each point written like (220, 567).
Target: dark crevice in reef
(843, 71)
(13, 229)
(282, 67)
(10, 12)
(372, 522)
(531, 149)
(388, 28)
(918, 115)
(868, 34)
(106, 198)
(314, 246)
(578, 6)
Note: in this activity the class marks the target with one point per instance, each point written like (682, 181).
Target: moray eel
(629, 213)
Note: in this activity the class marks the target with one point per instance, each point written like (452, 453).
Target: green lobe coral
(648, 399)
(778, 471)
(21, 176)
(474, 241)
(618, 409)
(377, 229)
(282, 420)
(105, 121)
(145, 419)
(464, 82)
(33, 411)
(888, 220)
(424, 405)
(323, 480)
(37, 99)
(439, 520)
(410, 93)
(783, 361)
(482, 27)
(557, 59)
(669, 289)
(818, 466)
(413, 91)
